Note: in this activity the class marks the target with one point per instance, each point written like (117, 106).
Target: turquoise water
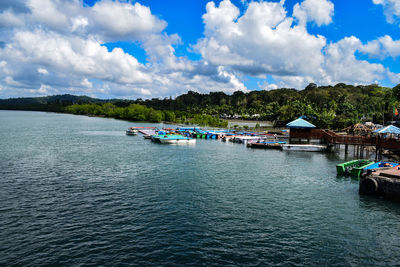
(76, 190)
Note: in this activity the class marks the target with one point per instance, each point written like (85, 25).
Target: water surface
(76, 190)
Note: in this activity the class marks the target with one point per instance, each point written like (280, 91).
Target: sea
(77, 191)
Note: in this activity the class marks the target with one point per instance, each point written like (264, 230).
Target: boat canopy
(391, 129)
(300, 123)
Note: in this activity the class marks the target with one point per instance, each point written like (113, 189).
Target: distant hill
(55, 103)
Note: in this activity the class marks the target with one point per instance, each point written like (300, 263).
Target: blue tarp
(300, 123)
(391, 129)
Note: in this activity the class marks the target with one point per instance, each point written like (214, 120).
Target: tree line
(333, 107)
(136, 112)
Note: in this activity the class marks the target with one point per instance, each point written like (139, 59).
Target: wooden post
(346, 148)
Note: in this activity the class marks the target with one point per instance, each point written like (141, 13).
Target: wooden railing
(331, 137)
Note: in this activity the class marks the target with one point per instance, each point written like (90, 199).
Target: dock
(147, 131)
(384, 183)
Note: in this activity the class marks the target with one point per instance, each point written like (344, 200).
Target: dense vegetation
(334, 107)
(136, 112)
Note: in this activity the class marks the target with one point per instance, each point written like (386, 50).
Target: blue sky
(161, 48)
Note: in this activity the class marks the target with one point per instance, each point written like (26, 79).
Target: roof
(389, 129)
(300, 123)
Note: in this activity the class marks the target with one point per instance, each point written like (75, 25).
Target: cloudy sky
(161, 48)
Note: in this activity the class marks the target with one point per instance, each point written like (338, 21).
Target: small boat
(176, 139)
(132, 131)
(306, 148)
(266, 145)
(380, 165)
(354, 167)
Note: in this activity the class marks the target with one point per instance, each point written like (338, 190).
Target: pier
(338, 142)
(383, 183)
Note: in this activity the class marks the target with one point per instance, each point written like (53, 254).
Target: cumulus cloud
(341, 64)
(382, 47)
(319, 11)
(391, 9)
(264, 40)
(80, 56)
(124, 20)
(55, 46)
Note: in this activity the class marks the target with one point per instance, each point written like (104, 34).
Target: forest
(333, 107)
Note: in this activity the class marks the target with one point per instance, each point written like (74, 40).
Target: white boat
(176, 139)
(309, 148)
(132, 131)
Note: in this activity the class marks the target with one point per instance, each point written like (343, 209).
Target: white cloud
(58, 43)
(320, 11)
(394, 77)
(85, 83)
(46, 12)
(79, 23)
(263, 40)
(382, 47)
(55, 46)
(124, 20)
(9, 19)
(76, 55)
(391, 9)
(42, 71)
(341, 64)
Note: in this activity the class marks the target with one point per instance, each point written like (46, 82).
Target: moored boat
(131, 131)
(176, 139)
(266, 145)
(381, 164)
(353, 167)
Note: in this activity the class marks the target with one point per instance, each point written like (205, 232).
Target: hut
(391, 129)
(302, 131)
(387, 138)
(358, 129)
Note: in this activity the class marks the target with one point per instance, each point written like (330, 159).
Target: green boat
(353, 168)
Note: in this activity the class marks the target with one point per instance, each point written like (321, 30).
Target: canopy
(388, 129)
(300, 123)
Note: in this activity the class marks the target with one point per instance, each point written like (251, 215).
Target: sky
(164, 48)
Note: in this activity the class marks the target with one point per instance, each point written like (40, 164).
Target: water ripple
(82, 193)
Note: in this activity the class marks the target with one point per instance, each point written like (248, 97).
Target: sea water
(75, 190)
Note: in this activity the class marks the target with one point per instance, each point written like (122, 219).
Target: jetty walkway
(335, 140)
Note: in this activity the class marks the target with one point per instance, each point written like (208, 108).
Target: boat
(131, 131)
(380, 165)
(176, 139)
(353, 167)
(266, 145)
(306, 148)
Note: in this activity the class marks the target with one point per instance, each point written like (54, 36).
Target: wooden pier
(335, 141)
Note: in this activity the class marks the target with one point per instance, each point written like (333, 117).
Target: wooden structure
(358, 129)
(360, 142)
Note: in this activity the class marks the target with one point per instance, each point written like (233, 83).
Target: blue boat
(381, 164)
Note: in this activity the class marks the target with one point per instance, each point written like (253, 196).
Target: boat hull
(131, 132)
(353, 168)
(177, 141)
